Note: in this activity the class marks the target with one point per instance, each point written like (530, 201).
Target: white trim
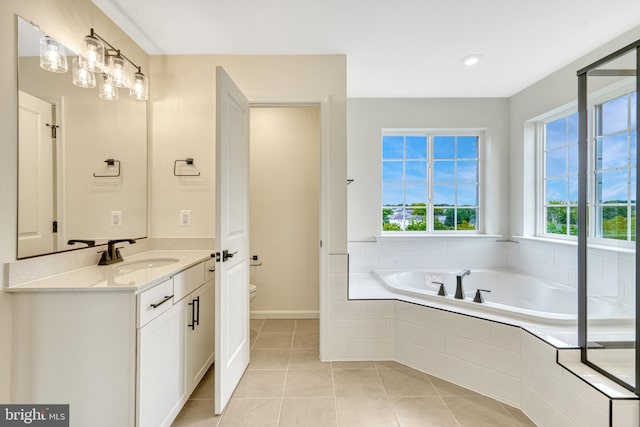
(410, 236)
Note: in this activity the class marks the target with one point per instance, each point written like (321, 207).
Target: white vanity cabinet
(118, 357)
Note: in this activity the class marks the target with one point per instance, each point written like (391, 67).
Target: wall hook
(187, 161)
(110, 162)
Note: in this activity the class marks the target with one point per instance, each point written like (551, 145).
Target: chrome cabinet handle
(158, 304)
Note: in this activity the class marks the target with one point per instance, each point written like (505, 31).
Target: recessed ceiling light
(471, 59)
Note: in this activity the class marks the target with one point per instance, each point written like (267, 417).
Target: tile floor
(286, 385)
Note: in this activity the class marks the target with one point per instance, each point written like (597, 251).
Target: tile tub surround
(290, 386)
(492, 357)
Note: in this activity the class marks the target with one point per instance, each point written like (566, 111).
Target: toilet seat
(252, 288)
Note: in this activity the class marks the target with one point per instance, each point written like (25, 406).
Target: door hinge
(54, 226)
(54, 130)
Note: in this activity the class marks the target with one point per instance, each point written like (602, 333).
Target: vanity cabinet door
(201, 338)
(162, 381)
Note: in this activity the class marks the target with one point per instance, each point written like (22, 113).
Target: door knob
(226, 255)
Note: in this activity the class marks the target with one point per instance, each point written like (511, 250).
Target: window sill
(564, 242)
(405, 237)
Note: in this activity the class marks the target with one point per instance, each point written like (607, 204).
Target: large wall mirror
(82, 160)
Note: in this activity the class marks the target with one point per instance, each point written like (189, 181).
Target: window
(561, 175)
(430, 182)
(612, 171)
(615, 168)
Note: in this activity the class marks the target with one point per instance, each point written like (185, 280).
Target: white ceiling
(401, 48)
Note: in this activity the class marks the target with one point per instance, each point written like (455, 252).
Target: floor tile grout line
(386, 393)
(444, 402)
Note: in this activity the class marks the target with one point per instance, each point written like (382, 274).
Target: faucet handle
(442, 291)
(478, 297)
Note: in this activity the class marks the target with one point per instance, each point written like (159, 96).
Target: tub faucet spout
(459, 291)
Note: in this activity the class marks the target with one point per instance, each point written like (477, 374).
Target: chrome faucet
(112, 254)
(459, 291)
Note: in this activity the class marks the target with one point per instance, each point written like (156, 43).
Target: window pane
(467, 171)
(573, 159)
(466, 219)
(467, 195)
(416, 147)
(573, 129)
(573, 221)
(612, 186)
(556, 133)
(444, 195)
(416, 171)
(557, 220)
(614, 222)
(614, 151)
(633, 223)
(416, 219)
(573, 190)
(632, 186)
(556, 190)
(392, 147)
(444, 147)
(467, 147)
(634, 117)
(556, 162)
(443, 171)
(415, 193)
(615, 115)
(392, 171)
(392, 195)
(634, 147)
(443, 218)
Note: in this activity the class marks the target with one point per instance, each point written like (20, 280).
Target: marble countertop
(136, 273)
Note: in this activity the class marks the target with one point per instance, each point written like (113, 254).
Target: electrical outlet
(116, 218)
(185, 217)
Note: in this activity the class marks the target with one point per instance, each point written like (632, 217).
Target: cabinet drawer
(155, 301)
(210, 269)
(187, 281)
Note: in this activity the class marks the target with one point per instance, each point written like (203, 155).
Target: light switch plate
(116, 219)
(185, 217)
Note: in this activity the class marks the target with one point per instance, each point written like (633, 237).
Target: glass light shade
(81, 76)
(120, 76)
(92, 54)
(139, 87)
(52, 56)
(107, 89)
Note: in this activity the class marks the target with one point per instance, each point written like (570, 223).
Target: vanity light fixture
(92, 53)
(52, 56)
(81, 76)
(108, 89)
(111, 67)
(471, 60)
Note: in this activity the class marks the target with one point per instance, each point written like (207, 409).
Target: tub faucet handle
(478, 298)
(442, 291)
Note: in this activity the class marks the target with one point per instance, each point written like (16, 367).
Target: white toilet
(252, 291)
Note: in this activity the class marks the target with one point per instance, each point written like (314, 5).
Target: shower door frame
(583, 149)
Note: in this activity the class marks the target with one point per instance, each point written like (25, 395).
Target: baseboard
(285, 314)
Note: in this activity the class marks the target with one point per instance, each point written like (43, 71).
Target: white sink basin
(143, 264)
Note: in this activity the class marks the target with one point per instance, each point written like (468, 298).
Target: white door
(35, 177)
(232, 238)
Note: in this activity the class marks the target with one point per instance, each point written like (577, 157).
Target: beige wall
(285, 196)
(183, 125)
(68, 21)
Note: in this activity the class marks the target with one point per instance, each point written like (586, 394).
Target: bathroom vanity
(123, 345)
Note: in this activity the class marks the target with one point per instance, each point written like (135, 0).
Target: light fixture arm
(120, 54)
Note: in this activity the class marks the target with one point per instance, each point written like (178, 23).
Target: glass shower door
(608, 118)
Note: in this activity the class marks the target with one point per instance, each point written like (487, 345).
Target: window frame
(430, 133)
(596, 98)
